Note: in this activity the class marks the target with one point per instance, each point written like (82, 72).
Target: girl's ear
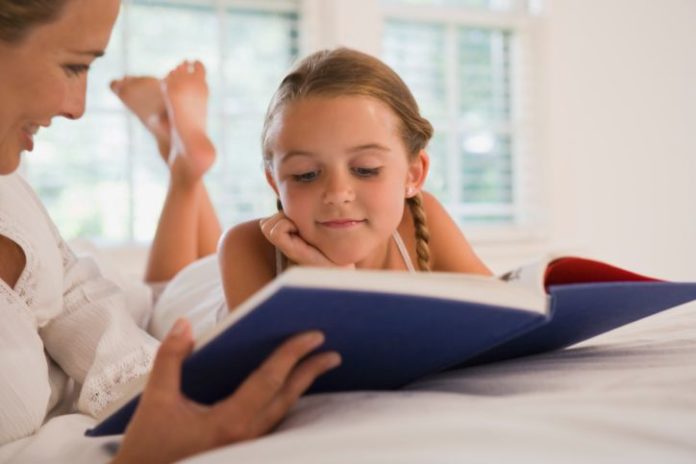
(270, 180)
(417, 173)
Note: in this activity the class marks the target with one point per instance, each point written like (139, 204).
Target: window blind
(468, 65)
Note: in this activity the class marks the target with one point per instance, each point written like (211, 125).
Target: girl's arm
(450, 251)
(247, 262)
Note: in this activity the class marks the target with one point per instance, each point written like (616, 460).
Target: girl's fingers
(269, 224)
(299, 380)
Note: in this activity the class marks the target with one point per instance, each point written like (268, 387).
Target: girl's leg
(175, 110)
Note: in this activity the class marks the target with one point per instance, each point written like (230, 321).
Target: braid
(415, 203)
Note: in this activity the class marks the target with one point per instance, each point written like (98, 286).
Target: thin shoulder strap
(403, 251)
(279, 262)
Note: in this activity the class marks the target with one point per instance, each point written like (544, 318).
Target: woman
(63, 323)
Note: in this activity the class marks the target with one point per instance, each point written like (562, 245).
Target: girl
(344, 151)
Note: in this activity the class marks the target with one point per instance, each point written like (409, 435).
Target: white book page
(453, 286)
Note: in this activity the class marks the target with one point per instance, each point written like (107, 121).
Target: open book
(392, 328)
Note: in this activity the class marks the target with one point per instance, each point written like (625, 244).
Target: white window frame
(359, 24)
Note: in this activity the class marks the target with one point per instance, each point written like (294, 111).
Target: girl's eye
(366, 172)
(74, 70)
(308, 176)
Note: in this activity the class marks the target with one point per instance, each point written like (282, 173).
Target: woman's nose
(74, 103)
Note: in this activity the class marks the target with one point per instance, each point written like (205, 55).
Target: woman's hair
(19, 17)
(340, 72)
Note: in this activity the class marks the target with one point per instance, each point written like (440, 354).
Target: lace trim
(27, 282)
(101, 390)
(26, 285)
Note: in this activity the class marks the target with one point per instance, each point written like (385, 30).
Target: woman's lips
(27, 137)
(27, 140)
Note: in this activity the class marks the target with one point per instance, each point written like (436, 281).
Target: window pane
(461, 77)
(415, 51)
(112, 181)
(86, 192)
(487, 168)
(496, 5)
(484, 76)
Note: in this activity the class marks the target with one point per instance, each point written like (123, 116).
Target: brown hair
(18, 17)
(342, 71)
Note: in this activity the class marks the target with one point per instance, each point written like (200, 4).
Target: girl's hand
(168, 427)
(284, 235)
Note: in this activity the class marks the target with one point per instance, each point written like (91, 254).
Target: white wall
(620, 79)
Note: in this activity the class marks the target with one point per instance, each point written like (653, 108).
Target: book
(392, 328)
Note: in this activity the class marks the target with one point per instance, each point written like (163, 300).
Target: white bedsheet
(626, 396)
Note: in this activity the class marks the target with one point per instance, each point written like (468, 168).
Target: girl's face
(342, 174)
(45, 75)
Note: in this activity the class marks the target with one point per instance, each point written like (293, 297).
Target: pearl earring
(410, 192)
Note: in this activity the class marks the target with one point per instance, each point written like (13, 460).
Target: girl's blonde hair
(340, 72)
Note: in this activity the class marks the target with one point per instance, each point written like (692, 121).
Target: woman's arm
(93, 337)
(24, 389)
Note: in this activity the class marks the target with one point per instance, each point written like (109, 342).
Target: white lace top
(64, 327)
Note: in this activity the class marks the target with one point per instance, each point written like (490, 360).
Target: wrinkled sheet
(625, 396)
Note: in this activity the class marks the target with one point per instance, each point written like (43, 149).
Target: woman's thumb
(166, 371)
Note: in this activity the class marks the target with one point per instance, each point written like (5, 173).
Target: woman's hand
(284, 235)
(167, 426)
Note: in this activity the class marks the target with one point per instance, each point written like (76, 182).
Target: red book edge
(573, 270)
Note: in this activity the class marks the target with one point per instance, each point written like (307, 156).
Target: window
(468, 62)
(101, 176)
(465, 62)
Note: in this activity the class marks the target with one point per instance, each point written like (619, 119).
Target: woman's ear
(417, 173)
(271, 181)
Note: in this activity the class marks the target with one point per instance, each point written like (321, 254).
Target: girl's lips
(342, 223)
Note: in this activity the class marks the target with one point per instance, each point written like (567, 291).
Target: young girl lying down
(344, 150)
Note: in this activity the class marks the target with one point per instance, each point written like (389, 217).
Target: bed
(625, 396)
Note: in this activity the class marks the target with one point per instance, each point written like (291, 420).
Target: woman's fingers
(165, 376)
(259, 389)
(301, 378)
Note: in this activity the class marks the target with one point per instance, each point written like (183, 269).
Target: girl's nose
(338, 190)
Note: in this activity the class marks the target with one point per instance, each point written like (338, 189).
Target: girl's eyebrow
(289, 154)
(369, 146)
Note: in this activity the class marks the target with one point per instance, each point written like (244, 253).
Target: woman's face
(45, 75)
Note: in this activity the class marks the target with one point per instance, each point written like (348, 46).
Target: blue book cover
(392, 328)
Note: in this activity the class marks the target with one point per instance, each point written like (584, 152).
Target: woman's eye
(308, 176)
(73, 70)
(366, 172)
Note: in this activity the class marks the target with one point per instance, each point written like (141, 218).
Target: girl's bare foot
(143, 96)
(186, 100)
